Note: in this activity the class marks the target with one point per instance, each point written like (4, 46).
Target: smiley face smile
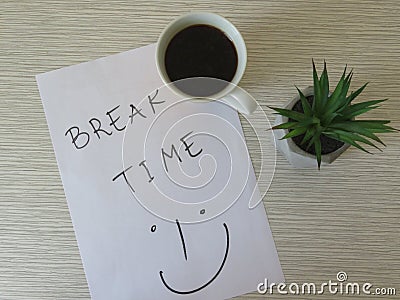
(208, 282)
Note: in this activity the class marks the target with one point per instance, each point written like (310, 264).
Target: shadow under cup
(201, 87)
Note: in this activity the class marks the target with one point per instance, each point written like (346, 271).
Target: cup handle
(241, 100)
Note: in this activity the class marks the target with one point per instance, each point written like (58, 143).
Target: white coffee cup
(231, 94)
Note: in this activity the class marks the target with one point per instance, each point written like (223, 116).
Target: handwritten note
(157, 193)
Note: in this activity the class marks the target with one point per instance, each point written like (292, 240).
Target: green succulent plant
(333, 115)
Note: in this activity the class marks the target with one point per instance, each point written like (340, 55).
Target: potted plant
(318, 125)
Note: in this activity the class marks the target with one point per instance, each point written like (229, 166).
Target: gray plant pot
(296, 156)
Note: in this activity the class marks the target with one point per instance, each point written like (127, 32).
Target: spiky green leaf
(345, 139)
(289, 113)
(375, 124)
(324, 84)
(318, 151)
(287, 125)
(304, 103)
(295, 132)
(341, 98)
(353, 109)
(329, 119)
(355, 94)
(334, 98)
(317, 135)
(317, 91)
(350, 126)
(354, 137)
(350, 116)
(308, 135)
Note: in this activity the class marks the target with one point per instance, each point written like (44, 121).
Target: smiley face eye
(153, 228)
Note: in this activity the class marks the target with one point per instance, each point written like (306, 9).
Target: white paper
(127, 251)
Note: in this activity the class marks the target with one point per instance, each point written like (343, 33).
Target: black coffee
(201, 51)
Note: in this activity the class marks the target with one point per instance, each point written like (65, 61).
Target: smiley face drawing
(207, 283)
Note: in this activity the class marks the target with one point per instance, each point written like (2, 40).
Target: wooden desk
(343, 218)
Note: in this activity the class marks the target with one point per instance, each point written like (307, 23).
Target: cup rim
(238, 74)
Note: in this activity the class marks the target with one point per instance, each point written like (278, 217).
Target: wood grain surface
(343, 218)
